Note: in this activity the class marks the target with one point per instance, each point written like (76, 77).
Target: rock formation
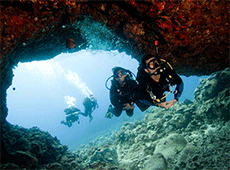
(33, 149)
(190, 135)
(193, 35)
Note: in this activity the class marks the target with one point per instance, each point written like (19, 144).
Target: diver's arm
(179, 84)
(179, 87)
(178, 91)
(96, 104)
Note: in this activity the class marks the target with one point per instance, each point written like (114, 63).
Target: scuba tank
(162, 63)
(163, 66)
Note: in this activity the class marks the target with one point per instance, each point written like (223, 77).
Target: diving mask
(120, 74)
(153, 64)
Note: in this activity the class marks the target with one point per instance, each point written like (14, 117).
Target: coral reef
(190, 135)
(193, 37)
(33, 149)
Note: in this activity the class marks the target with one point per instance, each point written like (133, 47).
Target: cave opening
(37, 97)
(37, 94)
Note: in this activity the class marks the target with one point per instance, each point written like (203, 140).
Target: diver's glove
(109, 115)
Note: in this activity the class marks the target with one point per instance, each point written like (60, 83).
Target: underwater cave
(41, 101)
(109, 34)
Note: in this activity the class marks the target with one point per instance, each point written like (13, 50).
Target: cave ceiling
(193, 35)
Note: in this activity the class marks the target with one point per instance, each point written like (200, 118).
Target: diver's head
(91, 97)
(150, 61)
(119, 74)
(115, 70)
(151, 64)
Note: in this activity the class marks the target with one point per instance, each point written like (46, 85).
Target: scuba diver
(90, 104)
(155, 76)
(123, 93)
(71, 116)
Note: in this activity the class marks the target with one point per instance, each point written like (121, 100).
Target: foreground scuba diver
(155, 76)
(123, 93)
(71, 116)
(90, 104)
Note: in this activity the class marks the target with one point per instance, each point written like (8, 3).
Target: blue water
(40, 88)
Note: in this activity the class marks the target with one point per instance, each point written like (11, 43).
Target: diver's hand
(168, 104)
(128, 106)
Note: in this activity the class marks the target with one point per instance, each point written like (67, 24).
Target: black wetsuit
(71, 119)
(148, 85)
(90, 106)
(71, 115)
(121, 95)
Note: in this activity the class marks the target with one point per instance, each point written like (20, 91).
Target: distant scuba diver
(123, 93)
(71, 116)
(90, 104)
(155, 76)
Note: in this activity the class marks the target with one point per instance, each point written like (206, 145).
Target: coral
(189, 135)
(33, 149)
(193, 37)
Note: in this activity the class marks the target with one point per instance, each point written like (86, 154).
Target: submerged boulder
(210, 87)
(212, 97)
(156, 162)
(187, 152)
(171, 145)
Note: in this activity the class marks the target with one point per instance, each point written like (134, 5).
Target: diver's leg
(129, 112)
(117, 111)
(90, 118)
(142, 106)
(65, 123)
(83, 114)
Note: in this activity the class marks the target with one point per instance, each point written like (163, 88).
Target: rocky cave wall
(193, 35)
